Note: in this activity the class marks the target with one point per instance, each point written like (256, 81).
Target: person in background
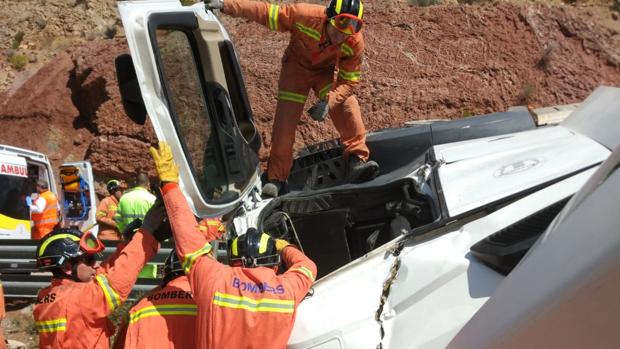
(134, 203)
(107, 210)
(44, 211)
(72, 312)
(245, 305)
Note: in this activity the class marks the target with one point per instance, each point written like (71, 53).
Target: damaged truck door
(192, 89)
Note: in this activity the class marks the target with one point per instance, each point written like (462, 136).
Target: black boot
(272, 188)
(360, 171)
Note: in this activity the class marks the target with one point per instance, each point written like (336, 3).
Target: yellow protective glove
(164, 163)
(281, 244)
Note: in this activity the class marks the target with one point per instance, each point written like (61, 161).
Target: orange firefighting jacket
(71, 314)
(309, 45)
(105, 217)
(237, 307)
(2, 315)
(45, 221)
(163, 318)
(148, 330)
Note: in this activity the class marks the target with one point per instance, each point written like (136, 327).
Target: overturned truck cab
(396, 257)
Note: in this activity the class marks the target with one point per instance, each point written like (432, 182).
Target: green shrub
(18, 61)
(615, 5)
(17, 40)
(467, 113)
(188, 2)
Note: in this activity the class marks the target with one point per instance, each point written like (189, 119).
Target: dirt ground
(18, 326)
(443, 61)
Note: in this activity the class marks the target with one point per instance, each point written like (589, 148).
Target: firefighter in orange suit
(2, 315)
(245, 305)
(107, 210)
(45, 213)
(166, 316)
(323, 40)
(72, 312)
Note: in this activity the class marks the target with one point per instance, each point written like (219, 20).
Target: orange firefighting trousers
(346, 116)
(237, 307)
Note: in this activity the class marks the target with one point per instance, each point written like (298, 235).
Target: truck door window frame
(185, 23)
(233, 171)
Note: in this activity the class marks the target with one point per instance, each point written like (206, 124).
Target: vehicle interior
(75, 190)
(336, 222)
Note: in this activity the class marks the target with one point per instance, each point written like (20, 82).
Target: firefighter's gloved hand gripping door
(164, 163)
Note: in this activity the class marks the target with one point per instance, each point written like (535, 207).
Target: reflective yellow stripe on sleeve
(216, 223)
(324, 91)
(308, 31)
(163, 310)
(349, 75)
(190, 259)
(305, 271)
(272, 19)
(346, 50)
(49, 326)
(292, 97)
(254, 305)
(111, 296)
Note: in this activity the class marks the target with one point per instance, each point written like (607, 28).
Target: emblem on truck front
(518, 167)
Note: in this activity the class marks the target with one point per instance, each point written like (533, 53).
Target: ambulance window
(13, 192)
(190, 112)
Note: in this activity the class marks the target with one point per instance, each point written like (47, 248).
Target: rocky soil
(445, 61)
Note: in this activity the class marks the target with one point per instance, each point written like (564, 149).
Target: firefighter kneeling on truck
(323, 40)
(72, 312)
(244, 305)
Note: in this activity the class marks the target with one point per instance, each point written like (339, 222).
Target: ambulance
(20, 169)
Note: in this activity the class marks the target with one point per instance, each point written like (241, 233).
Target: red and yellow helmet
(346, 15)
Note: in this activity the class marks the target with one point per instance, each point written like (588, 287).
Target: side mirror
(130, 89)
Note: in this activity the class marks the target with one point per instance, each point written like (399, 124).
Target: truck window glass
(190, 112)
